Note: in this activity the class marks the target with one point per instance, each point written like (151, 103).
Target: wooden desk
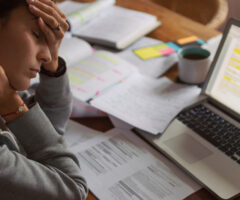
(174, 26)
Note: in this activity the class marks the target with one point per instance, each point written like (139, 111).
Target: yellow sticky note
(151, 51)
(187, 40)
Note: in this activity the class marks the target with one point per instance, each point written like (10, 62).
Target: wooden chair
(212, 13)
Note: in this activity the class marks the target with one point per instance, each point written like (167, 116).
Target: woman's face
(23, 48)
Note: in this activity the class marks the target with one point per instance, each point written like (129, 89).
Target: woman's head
(23, 47)
(6, 6)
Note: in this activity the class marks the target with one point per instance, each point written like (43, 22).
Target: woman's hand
(10, 101)
(6, 91)
(52, 22)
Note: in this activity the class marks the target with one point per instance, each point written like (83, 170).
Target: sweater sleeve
(49, 172)
(54, 96)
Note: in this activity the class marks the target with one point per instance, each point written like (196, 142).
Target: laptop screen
(224, 82)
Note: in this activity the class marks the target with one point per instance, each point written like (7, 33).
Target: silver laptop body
(195, 153)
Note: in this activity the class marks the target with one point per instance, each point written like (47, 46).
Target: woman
(34, 161)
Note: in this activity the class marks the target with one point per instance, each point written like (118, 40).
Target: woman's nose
(44, 55)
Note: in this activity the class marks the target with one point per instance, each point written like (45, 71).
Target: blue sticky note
(173, 45)
(201, 41)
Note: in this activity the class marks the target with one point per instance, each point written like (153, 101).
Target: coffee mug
(193, 64)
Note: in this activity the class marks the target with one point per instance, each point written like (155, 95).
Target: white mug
(193, 64)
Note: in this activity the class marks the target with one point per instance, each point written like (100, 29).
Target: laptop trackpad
(187, 148)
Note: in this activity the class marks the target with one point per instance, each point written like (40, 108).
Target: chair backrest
(212, 13)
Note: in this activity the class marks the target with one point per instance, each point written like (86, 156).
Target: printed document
(119, 165)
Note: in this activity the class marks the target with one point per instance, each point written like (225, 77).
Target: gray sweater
(47, 170)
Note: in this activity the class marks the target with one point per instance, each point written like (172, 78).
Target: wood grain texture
(174, 26)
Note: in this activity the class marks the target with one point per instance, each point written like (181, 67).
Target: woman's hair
(7, 6)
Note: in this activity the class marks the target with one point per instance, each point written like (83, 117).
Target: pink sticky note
(167, 51)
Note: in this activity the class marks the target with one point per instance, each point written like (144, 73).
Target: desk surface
(174, 26)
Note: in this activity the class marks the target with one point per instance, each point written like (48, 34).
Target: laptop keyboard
(221, 133)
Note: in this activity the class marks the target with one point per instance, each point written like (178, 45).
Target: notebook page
(80, 13)
(74, 49)
(97, 73)
(146, 103)
(117, 26)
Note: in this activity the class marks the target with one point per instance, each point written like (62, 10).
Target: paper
(80, 13)
(117, 123)
(74, 49)
(146, 103)
(77, 134)
(118, 165)
(83, 109)
(131, 26)
(96, 73)
(212, 45)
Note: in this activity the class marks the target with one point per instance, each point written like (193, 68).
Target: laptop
(204, 138)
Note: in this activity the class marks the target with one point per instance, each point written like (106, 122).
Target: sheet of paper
(153, 67)
(118, 165)
(77, 134)
(131, 26)
(212, 45)
(96, 73)
(147, 103)
(117, 123)
(80, 13)
(84, 109)
(73, 49)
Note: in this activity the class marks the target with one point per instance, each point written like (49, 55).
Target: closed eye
(36, 35)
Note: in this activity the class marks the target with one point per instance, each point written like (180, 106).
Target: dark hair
(7, 6)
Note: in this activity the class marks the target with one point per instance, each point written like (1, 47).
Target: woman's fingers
(49, 14)
(52, 4)
(51, 21)
(48, 32)
(5, 86)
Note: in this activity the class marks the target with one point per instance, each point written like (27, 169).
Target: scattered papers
(118, 165)
(146, 103)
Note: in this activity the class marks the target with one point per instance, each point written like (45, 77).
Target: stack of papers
(118, 165)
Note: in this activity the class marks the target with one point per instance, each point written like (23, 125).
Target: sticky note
(167, 51)
(153, 51)
(187, 40)
(173, 46)
(201, 41)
